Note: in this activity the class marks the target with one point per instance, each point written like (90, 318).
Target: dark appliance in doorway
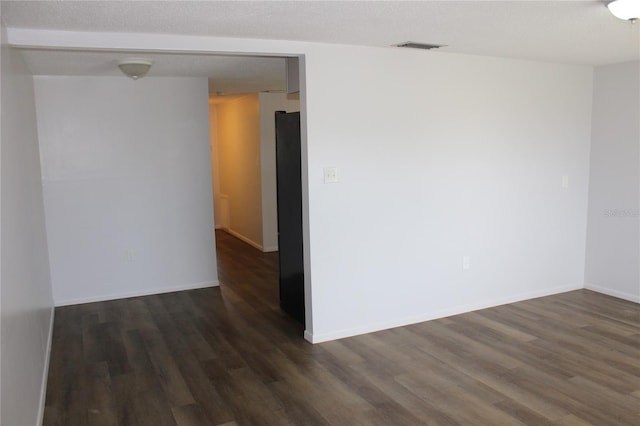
(289, 187)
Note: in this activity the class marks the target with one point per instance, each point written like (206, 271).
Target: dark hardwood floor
(228, 356)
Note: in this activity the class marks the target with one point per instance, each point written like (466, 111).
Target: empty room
(320, 212)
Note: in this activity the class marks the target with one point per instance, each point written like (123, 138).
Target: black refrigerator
(289, 187)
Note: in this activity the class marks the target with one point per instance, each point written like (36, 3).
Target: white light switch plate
(330, 174)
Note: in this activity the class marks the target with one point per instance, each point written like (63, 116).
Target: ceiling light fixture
(628, 10)
(135, 67)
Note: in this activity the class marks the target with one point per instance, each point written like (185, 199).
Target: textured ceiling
(573, 31)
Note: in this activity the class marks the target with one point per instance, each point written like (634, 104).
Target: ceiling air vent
(425, 46)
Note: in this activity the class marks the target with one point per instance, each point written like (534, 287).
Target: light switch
(330, 174)
(565, 181)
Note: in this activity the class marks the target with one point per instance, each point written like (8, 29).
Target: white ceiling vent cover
(424, 46)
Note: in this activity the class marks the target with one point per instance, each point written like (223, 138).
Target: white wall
(215, 165)
(613, 236)
(26, 309)
(239, 159)
(441, 156)
(269, 104)
(246, 156)
(245, 153)
(127, 185)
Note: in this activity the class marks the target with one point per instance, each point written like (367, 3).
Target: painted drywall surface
(26, 298)
(127, 185)
(269, 104)
(215, 166)
(439, 157)
(613, 235)
(239, 158)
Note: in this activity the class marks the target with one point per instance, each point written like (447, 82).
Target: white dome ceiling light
(628, 10)
(135, 67)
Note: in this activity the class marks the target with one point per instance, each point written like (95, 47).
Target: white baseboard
(428, 316)
(245, 239)
(149, 292)
(270, 249)
(45, 373)
(308, 336)
(615, 293)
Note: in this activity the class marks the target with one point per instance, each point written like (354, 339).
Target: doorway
(247, 204)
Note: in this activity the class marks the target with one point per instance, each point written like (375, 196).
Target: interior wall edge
(244, 238)
(428, 316)
(149, 292)
(47, 359)
(614, 293)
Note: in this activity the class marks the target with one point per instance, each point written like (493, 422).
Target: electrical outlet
(131, 255)
(466, 263)
(330, 175)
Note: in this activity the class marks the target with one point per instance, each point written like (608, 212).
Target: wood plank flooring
(228, 356)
